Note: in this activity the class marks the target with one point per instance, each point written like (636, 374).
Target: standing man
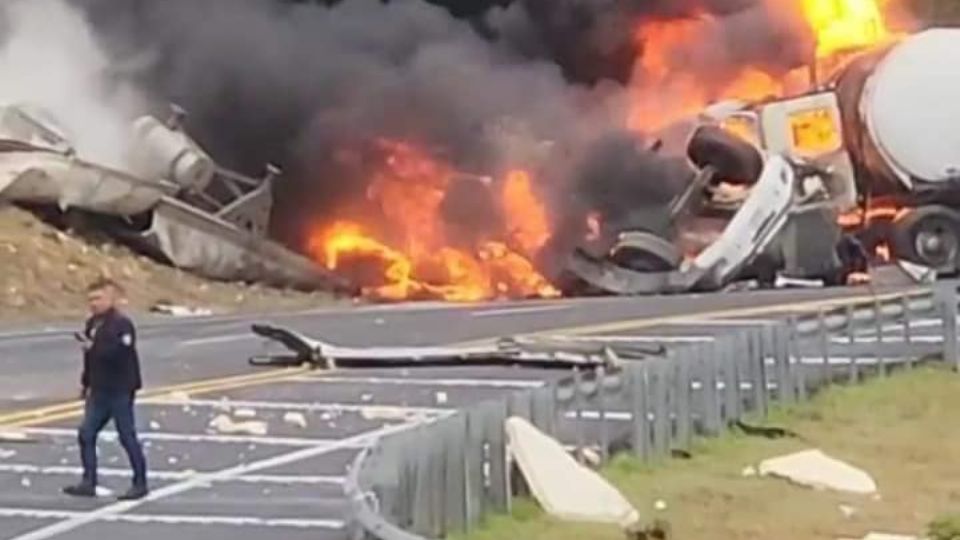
(111, 378)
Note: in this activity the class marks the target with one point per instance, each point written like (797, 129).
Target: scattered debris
(245, 413)
(847, 511)
(769, 432)
(104, 491)
(441, 398)
(813, 468)
(366, 397)
(177, 396)
(7, 454)
(224, 424)
(14, 436)
(154, 425)
(295, 419)
(179, 311)
(25, 482)
(564, 488)
(884, 536)
(392, 414)
(590, 457)
(173, 460)
(660, 505)
(748, 471)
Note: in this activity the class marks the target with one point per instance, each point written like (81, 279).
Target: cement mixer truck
(871, 155)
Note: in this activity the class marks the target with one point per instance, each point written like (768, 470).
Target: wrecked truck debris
(869, 156)
(529, 352)
(171, 200)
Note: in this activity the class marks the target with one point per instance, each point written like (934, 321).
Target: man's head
(103, 295)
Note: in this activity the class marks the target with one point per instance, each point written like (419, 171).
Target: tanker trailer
(884, 127)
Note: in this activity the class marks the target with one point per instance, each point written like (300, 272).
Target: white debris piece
(660, 505)
(172, 460)
(295, 419)
(392, 414)
(12, 435)
(180, 311)
(224, 424)
(748, 471)
(366, 398)
(7, 454)
(25, 482)
(814, 469)
(847, 510)
(104, 491)
(245, 413)
(564, 488)
(154, 425)
(442, 398)
(884, 536)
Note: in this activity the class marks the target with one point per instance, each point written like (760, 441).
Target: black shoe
(134, 493)
(81, 490)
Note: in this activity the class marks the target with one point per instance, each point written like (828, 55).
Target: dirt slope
(44, 272)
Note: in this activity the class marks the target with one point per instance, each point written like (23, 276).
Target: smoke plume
(51, 61)
(540, 84)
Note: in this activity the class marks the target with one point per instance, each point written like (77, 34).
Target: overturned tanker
(168, 198)
(811, 186)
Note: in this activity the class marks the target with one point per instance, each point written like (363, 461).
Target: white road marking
(23, 468)
(293, 406)
(400, 381)
(167, 519)
(634, 339)
(116, 509)
(723, 322)
(189, 437)
(518, 310)
(888, 339)
(213, 340)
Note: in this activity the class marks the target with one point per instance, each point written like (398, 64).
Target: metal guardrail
(445, 476)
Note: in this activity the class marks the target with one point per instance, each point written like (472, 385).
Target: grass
(902, 430)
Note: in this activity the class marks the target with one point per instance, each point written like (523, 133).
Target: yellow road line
(70, 409)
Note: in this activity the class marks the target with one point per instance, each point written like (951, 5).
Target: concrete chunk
(564, 488)
(814, 469)
(224, 424)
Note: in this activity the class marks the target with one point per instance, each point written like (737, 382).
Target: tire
(734, 159)
(930, 236)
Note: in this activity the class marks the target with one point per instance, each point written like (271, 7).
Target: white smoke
(50, 59)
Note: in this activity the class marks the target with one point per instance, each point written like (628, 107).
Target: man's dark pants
(101, 406)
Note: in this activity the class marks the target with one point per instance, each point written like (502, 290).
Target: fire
(841, 25)
(669, 90)
(400, 248)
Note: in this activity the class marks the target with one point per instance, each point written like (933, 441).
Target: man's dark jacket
(111, 364)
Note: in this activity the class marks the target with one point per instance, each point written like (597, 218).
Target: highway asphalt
(287, 482)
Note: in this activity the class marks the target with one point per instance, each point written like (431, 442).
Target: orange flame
(413, 258)
(669, 90)
(842, 25)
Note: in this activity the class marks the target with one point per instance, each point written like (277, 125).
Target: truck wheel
(929, 235)
(734, 159)
(645, 252)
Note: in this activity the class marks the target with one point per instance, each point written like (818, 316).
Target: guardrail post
(795, 356)
(947, 297)
(758, 366)
(854, 374)
(878, 323)
(683, 389)
(907, 328)
(661, 409)
(601, 375)
(823, 333)
(639, 407)
(720, 355)
(736, 351)
(578, 413)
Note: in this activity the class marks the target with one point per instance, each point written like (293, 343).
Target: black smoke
(310, 86)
